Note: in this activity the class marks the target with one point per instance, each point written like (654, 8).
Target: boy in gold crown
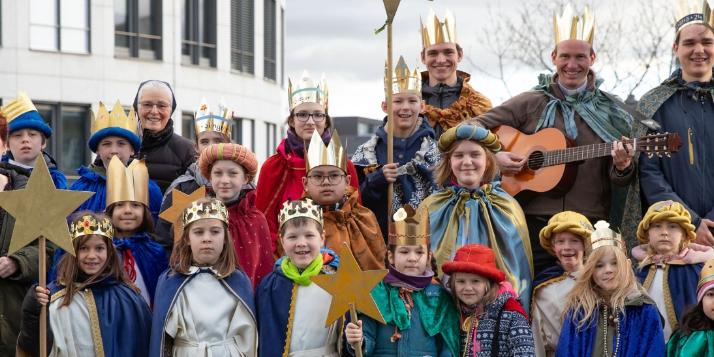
(346, 220)
(291, 309)
(415, 151)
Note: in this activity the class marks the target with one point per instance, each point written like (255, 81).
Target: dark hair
(708, 27)
(3, 128)
(299, 222)
(68, 270)
(459, 51)
(592, 49)
(147, 225)
(695, 320)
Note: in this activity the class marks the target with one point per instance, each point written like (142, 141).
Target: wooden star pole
(390, 6)
(350, 288)
(40, 195)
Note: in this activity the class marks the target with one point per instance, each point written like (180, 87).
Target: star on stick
(350, 288)
(40, 209)
(180, 201)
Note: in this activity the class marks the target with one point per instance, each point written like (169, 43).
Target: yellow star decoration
(179, 202)
(40, 209)
(350, 285)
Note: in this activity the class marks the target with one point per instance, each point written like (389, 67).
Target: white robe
(208, 320)
(547, 314)
(71, 327)
(309, 336)
(656, 292)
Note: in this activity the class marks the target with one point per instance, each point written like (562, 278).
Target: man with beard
(448, 96)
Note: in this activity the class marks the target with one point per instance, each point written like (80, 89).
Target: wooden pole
(390, 119)
(354, 318)
(43, 283)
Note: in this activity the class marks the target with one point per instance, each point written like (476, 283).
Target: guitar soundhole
(536, 160)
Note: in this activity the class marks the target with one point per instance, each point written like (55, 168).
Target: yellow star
(179, 202)
(350, 286)
(40, 209)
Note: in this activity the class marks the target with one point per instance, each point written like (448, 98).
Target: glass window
(271, 137)
(237, 131)
(198, 46)
(282, 46)
(269, 43)
(188, 130)
(137, 28)
(248, 133)
(60, 26)
(70, 133)
(242, 35)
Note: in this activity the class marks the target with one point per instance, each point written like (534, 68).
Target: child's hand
(353, 333)
(43, 295)
(3, 182)
(390, 172)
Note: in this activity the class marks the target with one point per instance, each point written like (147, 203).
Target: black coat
(167, 155)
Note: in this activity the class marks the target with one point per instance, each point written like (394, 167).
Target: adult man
(448, 96)
(571, 102)
(683, 104)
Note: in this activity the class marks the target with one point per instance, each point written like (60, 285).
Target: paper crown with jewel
(434, 31)
(403, 81)
(604, 236)
(127, 183)
(307, 91)
(410, 227)
(88, 225)
(690, 12)
(331, 155)
(205, 120)
(571, 26)
(205, 208)
(21, 113)
(116, 123)
(300, 208)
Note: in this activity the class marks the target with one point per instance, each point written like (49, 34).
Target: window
(282, 46)
(271, 137)
(198, 46)
(237, 130)
(242, 33)
(188, 129)
(269, 43)
(70, 126)
(248, 134)
(137, 28)
(60, 26)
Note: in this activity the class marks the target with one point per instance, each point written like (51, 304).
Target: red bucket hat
(475, 259)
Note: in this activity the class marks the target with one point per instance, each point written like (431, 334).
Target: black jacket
(167, 155)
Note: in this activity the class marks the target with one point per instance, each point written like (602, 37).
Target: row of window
(64, 25)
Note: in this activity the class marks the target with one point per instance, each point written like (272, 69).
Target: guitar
(550, 157)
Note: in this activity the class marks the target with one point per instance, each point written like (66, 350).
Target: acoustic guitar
(551, 157)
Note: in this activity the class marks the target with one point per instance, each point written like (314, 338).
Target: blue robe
(124, 317)
(640, 334)
(682, 281)
(149, 256)
(170, 285)
(57, 176)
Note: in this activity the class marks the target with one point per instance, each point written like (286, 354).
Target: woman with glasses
(281, 175)
(166, 153)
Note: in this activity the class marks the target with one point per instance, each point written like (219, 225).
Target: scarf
(412, 282)
(609, 121)
(293, 273)
(296, 145)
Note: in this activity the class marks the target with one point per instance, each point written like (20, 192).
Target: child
(695, 336)
(566, 237)
(471, 207)
(230, 167)
(420, 317)
(346, 220)
(493, 323)
(415, 151)
(607, 312)
(142, 258)
(281, 174)
(27, 138)
(206, 305)
(670, 261)
(112, 135)
(93, 309)
(291, 309)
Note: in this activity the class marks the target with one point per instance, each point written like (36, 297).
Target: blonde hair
(586, 295)
(443, 168)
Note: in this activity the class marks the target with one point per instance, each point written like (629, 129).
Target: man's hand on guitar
(622, 154)
(510, 163)
(390, 172)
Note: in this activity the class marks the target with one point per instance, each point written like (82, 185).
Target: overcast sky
(337, 37)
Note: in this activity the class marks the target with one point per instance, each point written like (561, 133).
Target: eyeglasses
(331, 179)
(150, 105)
(303, 116)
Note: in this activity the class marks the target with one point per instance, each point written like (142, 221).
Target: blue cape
(150, 257)
(57, 176)
(682, 281)
(170, 285)
(124, 317)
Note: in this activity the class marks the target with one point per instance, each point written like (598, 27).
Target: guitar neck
(578, 153)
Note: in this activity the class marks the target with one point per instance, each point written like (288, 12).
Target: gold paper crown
(603, 236)
(409, 227)
(403, 81)
(300, 208)
(689, 12)
(331, 155)
(127, 183)
(18, 106)
(307, 91)
(88, 225)
(435, 31)
(205, 208)
(117, 119)
(205, 120)
(570, 26)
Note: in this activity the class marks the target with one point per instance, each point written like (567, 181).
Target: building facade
(70, 54)
(355, 131)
